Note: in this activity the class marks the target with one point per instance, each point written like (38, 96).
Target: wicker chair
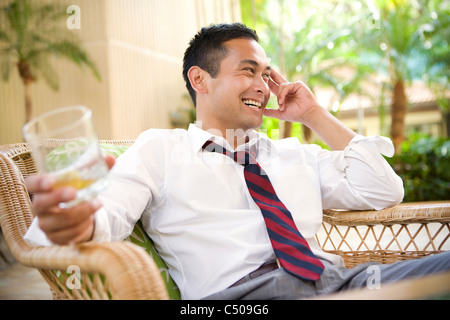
(123, 270)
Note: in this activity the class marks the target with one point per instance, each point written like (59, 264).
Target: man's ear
(197, 77)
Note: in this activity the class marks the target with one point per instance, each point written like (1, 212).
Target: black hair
(206, 49)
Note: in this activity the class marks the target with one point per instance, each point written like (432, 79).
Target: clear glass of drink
(64, 145)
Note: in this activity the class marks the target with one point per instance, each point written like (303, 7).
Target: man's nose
(261, 85)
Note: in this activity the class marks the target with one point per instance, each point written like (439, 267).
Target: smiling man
(236, 97)
(232, 93)
(233, 213)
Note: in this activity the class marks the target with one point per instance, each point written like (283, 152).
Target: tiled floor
(22, 283)
(18, 282)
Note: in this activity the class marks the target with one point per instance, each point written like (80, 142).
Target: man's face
(239, 93)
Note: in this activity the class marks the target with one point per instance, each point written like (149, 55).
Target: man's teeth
(252, 103)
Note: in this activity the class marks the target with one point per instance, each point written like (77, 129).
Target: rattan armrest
(108, 270)
(406, 231)
(405, 213)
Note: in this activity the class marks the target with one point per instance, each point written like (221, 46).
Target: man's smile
(252, 103)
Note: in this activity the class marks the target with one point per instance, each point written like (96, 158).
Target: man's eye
(249, 70)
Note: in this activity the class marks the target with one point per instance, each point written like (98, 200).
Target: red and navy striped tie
(291, 249)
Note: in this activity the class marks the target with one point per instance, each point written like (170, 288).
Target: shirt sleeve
(35, 236)
(135, 180)
(359, 177)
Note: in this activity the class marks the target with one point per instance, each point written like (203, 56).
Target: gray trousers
(279, 284)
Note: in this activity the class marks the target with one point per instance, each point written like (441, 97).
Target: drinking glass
(65, 146)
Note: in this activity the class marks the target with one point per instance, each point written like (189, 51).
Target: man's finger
(78, 233)
(110, 161)
(277, 77)
(62, 219)
(273, 113)
(273, 86)
(39, 183)
(283, 91)
(43, 201)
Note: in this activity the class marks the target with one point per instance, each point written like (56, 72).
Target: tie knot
(244, 157)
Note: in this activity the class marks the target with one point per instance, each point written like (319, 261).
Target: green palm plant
(397, 40)
(298, 37)
(30, 34)
(399, 47)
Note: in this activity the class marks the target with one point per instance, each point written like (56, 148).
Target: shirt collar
(198, 137)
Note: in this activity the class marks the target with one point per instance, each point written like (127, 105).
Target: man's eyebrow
(254, 63)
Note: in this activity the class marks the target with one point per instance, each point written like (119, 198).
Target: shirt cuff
(102, 231)
(369, 149)
(35, 236)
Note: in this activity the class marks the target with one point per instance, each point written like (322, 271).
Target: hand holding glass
(64, 145)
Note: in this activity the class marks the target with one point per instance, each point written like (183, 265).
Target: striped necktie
(292, 250)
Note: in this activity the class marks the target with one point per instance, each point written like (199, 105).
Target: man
(195, 204)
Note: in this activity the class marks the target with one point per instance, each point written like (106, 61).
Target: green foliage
(270, 127)
(424, 166)
(184, 115)
(363, 41)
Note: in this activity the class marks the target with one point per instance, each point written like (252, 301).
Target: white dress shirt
(195, 205)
